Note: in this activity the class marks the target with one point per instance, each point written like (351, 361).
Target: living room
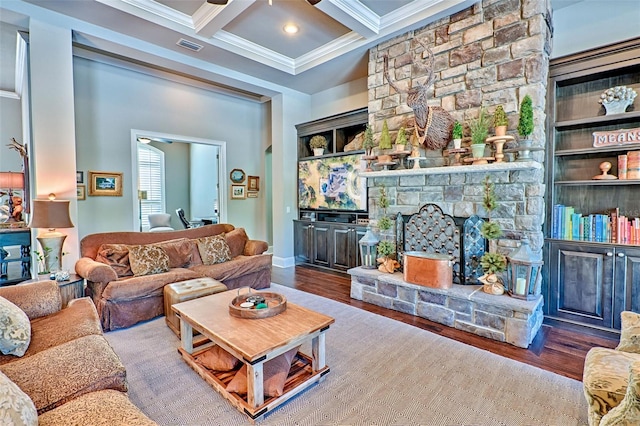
(84, 121)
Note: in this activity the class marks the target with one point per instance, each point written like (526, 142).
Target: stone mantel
(481, 168)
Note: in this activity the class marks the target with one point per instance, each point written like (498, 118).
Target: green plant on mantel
(368, 143)
(525, 123)
(479, 127)
(385, 137)
(500, 117)
(384, 223)
(493, 263)
(457, 130)
(401, 138)
(386, 248)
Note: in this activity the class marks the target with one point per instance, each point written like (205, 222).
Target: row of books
(567, 224)
(629, 165)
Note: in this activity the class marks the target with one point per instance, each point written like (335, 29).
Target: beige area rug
(383, 372)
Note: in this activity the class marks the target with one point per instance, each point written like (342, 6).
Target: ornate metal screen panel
(432, 231)
(474, 246)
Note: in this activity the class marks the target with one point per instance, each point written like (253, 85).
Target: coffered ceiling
(245, 37)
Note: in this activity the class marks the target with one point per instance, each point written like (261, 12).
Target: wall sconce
(524, 273)
(51, 214)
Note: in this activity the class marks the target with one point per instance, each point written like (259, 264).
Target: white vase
(457, 143)
(318, 151)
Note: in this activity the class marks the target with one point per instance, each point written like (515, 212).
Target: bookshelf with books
(592, 249)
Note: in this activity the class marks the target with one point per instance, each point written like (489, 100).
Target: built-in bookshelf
(592, 249)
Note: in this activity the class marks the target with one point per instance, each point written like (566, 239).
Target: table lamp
(51, 214)
(11, 181)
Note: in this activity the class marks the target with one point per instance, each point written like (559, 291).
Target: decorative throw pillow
(236, 239)
(629, 332)
(16, 408)
(116, 256)
(178, 250)
(148, 259)
(275, 372)
(217, 359)
(15, 329)
(214, 249)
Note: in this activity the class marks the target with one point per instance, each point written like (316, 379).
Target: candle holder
(524, 273)
(368, 249)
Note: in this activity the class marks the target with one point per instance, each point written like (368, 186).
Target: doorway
(193, 170)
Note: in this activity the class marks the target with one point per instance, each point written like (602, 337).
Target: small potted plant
(479, 132)
(401, 140)
(368, 143)
(386, 249)
(456, 134)
(525, 128)
(385, 144)
(318, 143)
(500, 121)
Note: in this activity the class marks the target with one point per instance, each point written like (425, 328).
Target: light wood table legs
(186, 336)
(255, 384)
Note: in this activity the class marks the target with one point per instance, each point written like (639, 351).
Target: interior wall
(10, 127)
(343, 98)
(203, 173)
(590, 24)
(110, 101)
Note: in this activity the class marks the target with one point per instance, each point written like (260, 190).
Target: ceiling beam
(352, 14)
(211, 18)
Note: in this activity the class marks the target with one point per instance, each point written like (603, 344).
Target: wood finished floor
(557, 349)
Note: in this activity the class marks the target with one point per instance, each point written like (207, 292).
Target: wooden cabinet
(338, 130)
(590, 280)
(330, 245)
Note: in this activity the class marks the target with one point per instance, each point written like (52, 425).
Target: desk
(15, 237)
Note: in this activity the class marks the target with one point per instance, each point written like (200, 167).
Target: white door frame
(222, 168)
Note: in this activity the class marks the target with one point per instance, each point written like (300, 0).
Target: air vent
(189, 45)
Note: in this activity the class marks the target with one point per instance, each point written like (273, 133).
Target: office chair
(185, 222)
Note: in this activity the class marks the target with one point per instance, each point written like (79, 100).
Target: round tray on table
(276, 304)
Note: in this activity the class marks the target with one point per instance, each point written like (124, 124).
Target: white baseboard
(283, 262)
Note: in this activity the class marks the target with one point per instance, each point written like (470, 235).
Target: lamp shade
(50, 214)
(11, 180)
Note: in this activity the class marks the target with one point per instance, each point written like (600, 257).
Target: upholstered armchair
(159, 222)
(611, 378)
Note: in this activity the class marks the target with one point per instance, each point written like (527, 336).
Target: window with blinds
(150, 182)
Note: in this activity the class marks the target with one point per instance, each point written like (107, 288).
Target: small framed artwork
(237, 176)
(238, 192)
(79, 177)
(252, 194)
(105, 183)
(81, 192)
(253, 183)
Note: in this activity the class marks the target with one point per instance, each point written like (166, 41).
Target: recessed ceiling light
(290, 28)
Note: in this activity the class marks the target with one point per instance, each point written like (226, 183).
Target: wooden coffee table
(254, 341)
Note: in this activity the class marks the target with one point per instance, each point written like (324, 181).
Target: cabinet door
(581, 287)
(321, 244)
(342, 251)
(303, 241)
(358, 233)
(627, 278)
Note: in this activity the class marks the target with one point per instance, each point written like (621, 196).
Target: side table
(73, 288)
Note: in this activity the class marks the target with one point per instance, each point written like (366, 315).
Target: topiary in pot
(456, 134)
(368, 143)
(479, 131)
(318, 143)
(385, 137)
(401, 140)
(525, 123)
(385, 250)
(500, 121)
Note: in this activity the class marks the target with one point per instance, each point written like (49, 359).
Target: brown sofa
(123, 299)
(69, 369)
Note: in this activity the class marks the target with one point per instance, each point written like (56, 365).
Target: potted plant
(318, 143)
(456, 134)
(368, 143)
(525, 128)
(492, 263)
(385, 144)
(386, 249)
(401, 140)
(479, 132)
(500, 121)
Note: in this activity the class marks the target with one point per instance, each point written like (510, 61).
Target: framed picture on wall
(81, 192)
(253, 183)
(238, 192)
(79, 177)
(105, 183)
(252, 194)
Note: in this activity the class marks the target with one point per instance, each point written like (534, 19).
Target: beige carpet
(383, 372)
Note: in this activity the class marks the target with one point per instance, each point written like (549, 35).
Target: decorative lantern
(524, 273)
(368, 249)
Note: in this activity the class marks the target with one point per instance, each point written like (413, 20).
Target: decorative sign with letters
(616, 137)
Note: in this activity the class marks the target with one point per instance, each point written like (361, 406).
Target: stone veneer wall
(495, 52)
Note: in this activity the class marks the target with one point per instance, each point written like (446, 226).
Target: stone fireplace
(493, 53)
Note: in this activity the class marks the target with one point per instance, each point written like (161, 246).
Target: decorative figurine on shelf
(616, 100)
(433, 123)
(605, 166)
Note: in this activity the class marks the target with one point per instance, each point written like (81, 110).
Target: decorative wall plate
(237, 175)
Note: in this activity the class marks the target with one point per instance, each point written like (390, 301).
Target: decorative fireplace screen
(432, 231)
